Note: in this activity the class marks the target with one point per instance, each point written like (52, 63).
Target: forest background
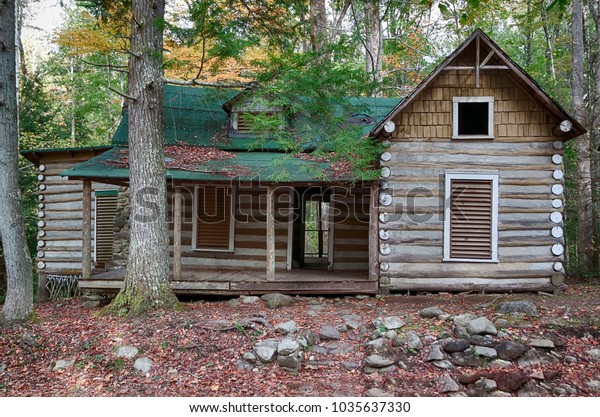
(71, 86)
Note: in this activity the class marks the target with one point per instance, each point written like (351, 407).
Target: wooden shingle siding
(521, 154)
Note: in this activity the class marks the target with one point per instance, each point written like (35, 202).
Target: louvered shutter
(243, 123)
(213, 227)
(471, 219)
(106, 209)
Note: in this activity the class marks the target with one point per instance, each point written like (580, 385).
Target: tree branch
(220, 84)
(122, 94)
(118, 68)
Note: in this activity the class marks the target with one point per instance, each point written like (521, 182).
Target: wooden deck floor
(233, 282)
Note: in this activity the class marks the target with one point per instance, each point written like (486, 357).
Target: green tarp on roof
(195, 118)
(240, 166)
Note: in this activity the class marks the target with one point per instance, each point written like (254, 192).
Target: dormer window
(246, 123)
(473, 118)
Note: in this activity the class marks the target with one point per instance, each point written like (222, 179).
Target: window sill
(213, 250)
(485, 261)
(473, 137)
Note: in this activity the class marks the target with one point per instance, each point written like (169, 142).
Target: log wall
(60, 218)
(525, 153)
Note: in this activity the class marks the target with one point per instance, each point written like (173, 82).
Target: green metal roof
(241, 166)
(195, 118)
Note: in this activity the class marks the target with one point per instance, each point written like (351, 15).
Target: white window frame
(482, 99)
(447, 217)
(231, 223)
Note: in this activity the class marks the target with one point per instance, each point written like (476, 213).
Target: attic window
(473, 118)
(246, 123)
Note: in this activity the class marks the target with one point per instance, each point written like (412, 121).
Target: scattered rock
(393, 322)
(461, 332)
(537, 374)
(338, 348)
(90, 304)
(463, 319)
(449, 385)
(289, 327)
(487, 384)
(266, 350)
(242, 364)
(469, 378)
(143, 364)
(532, 389)
(457, 345)
(376, 361)
(289, 361)
(311, 337)
(353, 321)
(287, 347)
(371, 370)
(234, 302)
(570, 360)
(377, 344)
(413, 341)
(481, 326)
(249, 357)
(594, 385)
(523, 307)
(28, 341)
(431, 312)
(457, 394)
(444, 364)
(435, 353)
(568, 388)
(500, 364)
(2, 367)
(350, 365)
(510, 350)
(533, 357)
(172, 372)
(486, 341)
(277, 300)
(329, 333)
(128, 352)
(486, 352)
(542, 343)
(594, 354)
(559, 392)
(466, 358)
(511, 381)
(499, 394)
(63, 364)
(391, 334)
(377, 392)
(250, 299)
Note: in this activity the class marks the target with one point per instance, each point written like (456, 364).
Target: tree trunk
(318, 26)
(147, 279)
(18, 305)
(585, 227)
(373, 41)
(594, 6)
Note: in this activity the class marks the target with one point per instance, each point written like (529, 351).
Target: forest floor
(198, 352)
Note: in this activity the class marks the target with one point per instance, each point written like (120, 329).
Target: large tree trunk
(373, 41)
(594, 6)
(146, 281)
(318, 26)
(585, 227)
(18, 305)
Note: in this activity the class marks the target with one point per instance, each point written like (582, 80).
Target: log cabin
(470, 194)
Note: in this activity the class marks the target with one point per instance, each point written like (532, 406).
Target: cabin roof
(515, 71)
(197, 124)
(35, 155)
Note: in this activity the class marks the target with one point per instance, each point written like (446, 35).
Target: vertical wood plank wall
(521, 152)
(350, 235)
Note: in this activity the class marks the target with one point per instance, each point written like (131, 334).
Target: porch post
(177, 236)
(270, 234)
(86, 261)
(374, 233)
